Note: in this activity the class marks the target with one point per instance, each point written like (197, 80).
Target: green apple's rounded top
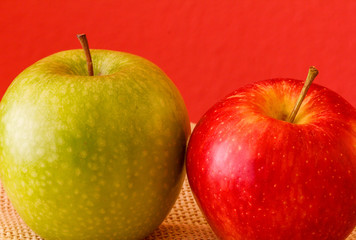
(67, 70)
(73, 62)
(116, 73)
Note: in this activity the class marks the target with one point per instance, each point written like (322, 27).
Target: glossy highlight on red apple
(257, 176)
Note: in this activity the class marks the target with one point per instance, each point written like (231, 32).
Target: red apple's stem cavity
(312, 73)
(84, 42)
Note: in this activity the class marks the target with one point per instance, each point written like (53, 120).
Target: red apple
(257, 175)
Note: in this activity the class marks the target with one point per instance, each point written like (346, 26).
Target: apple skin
(255, 176)
(93, 157)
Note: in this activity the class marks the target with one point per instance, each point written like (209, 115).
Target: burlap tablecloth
(185, 221)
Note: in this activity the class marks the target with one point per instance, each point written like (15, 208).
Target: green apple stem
(84, 42)
(312, 73)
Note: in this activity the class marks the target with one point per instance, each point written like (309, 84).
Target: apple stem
(84, 42)
(312, 73)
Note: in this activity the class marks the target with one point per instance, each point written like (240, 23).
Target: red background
(208, 48)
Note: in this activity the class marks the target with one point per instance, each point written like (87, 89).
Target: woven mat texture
(185, 221)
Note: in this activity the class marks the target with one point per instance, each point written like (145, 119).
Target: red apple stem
(312, 73)
(84, 42)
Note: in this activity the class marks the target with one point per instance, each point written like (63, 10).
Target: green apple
(93, 157)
